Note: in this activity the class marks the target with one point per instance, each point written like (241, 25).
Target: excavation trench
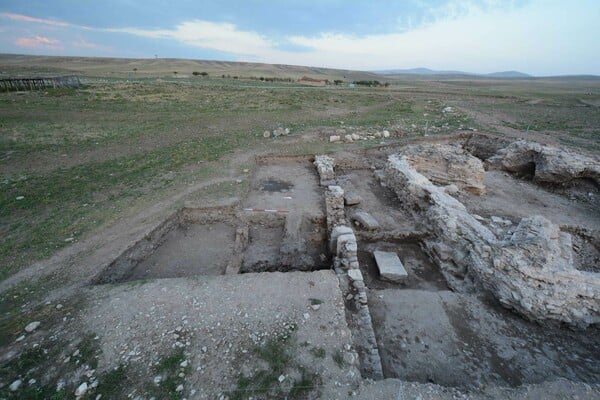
(196, 242)
(278, 226)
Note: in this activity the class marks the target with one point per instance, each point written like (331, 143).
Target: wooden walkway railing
(37, 83)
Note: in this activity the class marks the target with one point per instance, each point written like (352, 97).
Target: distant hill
(15, 64)
(427, 71)
(508, 74)
(420, 71)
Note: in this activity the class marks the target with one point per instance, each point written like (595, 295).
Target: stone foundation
(343, 245)
(531, 271)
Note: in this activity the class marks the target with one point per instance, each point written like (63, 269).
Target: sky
(539, 37)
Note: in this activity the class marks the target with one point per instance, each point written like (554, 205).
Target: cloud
(85, 44)
(539, 36)
(536, 36)
(218, 36)
(38, 42)
(26, 18)
(542, 37)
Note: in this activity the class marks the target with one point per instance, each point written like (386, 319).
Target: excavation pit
(188, 250)
(202, 242)
(458, 340)
(422, 272)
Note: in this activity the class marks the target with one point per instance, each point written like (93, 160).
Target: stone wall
(344, 247)
(531, 271)
(343, 242)
(324, 165)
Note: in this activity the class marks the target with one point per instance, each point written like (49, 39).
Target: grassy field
(75, 159)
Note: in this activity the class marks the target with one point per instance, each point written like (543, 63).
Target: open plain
(165, 234)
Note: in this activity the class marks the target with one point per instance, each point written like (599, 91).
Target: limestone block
(352, 198)
(390, 267)
(366, 220)
(447, 165)
(355, 274)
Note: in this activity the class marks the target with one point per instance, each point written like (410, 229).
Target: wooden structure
(305, 80)
(37, 83)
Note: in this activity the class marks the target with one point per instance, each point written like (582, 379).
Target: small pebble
(80, 391)
(32, 326)
(15, 385)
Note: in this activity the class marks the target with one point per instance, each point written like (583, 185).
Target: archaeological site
(454, 267)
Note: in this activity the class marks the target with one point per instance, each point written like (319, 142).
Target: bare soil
(460, 341)
(218, 321)
(189, 250)
(508, 197)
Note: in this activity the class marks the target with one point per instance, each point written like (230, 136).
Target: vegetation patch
(280, 375)
(46, 369)
(170, 383)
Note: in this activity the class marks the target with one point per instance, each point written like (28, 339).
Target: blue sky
(541, 37)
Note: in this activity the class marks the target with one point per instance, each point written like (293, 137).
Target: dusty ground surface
(219, 322)
(100, 168)
(290, 186)
(509, 197)
(459, 341)
(376, 200)
(189, 250)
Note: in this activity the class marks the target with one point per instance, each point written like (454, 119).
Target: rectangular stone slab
(365, 220)
(390, 267)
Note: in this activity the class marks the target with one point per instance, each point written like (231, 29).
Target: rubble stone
(545, 163)
(446, 165)
(325, 165)
(531, 272)
(351, 198)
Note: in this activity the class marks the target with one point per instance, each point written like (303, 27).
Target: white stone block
(390, 267)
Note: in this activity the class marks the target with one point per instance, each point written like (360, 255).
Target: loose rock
(365, 220)
(15, 385)
(32, 326)
(81, 390)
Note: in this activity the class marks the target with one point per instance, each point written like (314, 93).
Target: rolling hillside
(11, 65)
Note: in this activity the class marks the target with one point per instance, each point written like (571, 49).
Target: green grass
(169, 369)
(21, 305)
(278, 357)
(338, 358)
(44, 363)
(318, 352)
(68, 202)
(112, 384)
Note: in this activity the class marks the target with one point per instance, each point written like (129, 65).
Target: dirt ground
(461, 341)
(512, 198)
(219, 320)
(188, 251)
